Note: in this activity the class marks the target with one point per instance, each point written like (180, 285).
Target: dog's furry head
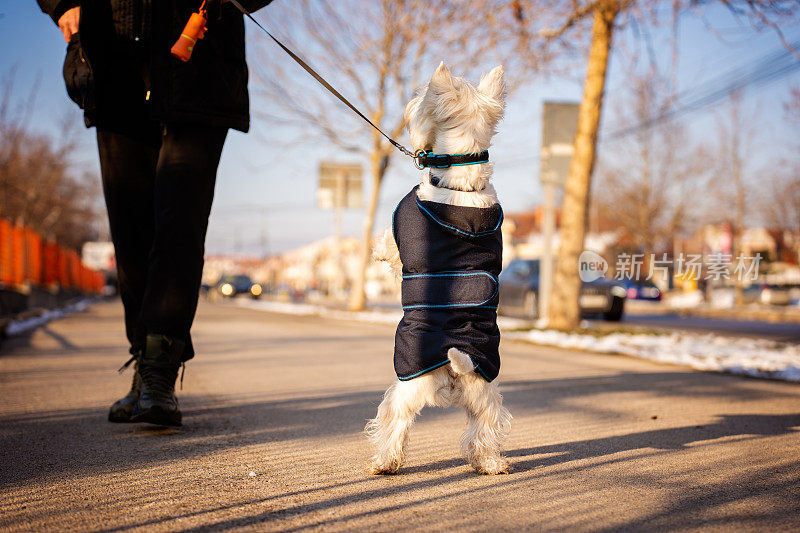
(452, 116)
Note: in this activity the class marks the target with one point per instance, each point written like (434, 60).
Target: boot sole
(158, 417)
(119, 419)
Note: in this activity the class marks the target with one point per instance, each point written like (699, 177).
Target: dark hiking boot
(158, 369)
(122, 410)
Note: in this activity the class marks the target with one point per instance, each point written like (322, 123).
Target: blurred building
(325, 268)
(523, 237)
(775, 246)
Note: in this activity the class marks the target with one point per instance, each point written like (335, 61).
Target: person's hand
(69, 22)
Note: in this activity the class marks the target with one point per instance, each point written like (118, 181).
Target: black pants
(158, 184)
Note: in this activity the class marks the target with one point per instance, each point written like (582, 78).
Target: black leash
(324, 83)
(421, 158)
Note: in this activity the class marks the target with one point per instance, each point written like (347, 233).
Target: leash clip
(418, 159)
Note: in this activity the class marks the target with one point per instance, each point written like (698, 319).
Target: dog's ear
(442, 80)
(419, 121)
(493, 84)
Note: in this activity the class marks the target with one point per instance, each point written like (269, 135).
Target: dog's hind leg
(388, 431)
(488, 424)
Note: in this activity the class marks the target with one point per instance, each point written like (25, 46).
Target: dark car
(519, 293)
(230, 286)
(641, 289)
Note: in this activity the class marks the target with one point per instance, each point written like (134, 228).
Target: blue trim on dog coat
(452, 256)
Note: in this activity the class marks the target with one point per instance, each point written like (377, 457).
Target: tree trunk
(736, 251)
(379, 161)
(738, 231)
(564, 309)
(737, 175)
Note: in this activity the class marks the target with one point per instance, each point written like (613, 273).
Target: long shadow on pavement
(45, 444)
(684, 511)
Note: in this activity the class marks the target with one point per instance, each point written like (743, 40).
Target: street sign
(559, 122)
(98, 255)
(340, 185)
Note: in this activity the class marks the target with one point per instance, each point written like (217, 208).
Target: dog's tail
(460, 362)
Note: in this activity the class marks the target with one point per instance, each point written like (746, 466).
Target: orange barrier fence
(26, 259)
(6, 254)
(50, 265)
(33, 257)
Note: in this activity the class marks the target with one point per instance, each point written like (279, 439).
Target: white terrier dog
(445, 239)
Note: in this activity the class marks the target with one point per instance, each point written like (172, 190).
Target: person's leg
(184, 191)
(128, 161)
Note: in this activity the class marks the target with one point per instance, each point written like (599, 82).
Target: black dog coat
(451, 258)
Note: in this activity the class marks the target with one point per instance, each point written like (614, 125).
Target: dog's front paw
(385, 249)
(491, 465)
(379, 253)
(382, 467)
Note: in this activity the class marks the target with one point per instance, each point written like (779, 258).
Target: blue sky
(265, 194)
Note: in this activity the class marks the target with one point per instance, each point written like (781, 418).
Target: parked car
(768, 294)
(519, 293)
(230, 286)
(641, 289)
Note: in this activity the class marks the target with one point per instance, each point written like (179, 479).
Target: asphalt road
(777, 331)
(274, 406)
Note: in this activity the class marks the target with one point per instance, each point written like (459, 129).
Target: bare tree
(782, 202)
(793, 105)
(383, 54)
(39, 185)
(377, 59)
(573, 17)
(564, 309)
(737, 132)
(781, 193)
(646, 178)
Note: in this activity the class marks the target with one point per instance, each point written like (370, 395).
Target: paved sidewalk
(274, 406)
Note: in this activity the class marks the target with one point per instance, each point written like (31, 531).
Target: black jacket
(451, 259)
(211, 89)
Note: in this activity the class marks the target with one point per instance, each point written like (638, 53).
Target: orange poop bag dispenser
(194, 31)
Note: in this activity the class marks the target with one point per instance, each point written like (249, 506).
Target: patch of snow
(685, 300)
(388, 316)
(507, 322)
(708, 352)
(391, 316)
(736, 355)
(15, 327)
(723, 298)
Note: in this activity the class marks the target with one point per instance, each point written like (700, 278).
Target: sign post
(340, 187)
(559, 123)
